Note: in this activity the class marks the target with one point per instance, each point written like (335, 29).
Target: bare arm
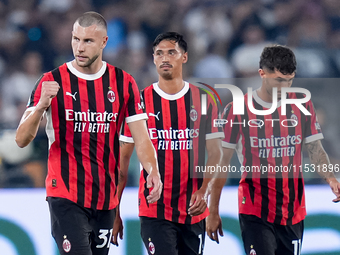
(214, 223)
(198, 202)
(126, 150)
(147, 156)
(319, 158)
(29, 124)
(28, 127)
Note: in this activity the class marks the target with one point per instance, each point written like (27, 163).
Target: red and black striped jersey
(178, 131)
(269, 149)
(83, 125)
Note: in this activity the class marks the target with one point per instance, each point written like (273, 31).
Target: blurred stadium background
(225, 39)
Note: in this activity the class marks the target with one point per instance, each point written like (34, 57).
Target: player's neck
(92, 69)
(172, 86)
(265, 96)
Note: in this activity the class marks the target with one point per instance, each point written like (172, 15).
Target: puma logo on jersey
(154, 115)
(74, 96)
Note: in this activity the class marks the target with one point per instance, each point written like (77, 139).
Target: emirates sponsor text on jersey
(174, 139)
(276, 146)
(92, 122)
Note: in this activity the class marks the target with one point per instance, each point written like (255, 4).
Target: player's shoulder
(197, 88)
(147, 89)
(202, 90)
(297, 95)
(50, 75)
(56, 70)
(119, 71)
(227, 109)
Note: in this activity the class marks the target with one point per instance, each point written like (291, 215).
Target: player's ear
(104, 42)
(154, 60)
(185, 57)
(262, 73)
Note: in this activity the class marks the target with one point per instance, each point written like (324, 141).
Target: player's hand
(214, 226)
(335, 186)
(198, 203)
(49, 89)
(117, 229)
(153, 182)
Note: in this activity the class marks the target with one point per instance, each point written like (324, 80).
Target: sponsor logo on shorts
(66, 244)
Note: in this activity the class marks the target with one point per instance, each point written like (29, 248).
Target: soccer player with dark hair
(180, 133)
(85, 102)
(271, 203)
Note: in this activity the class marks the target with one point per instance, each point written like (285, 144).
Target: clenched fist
(49, 89)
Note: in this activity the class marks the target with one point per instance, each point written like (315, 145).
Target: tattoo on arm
(121, 143)
(318, 157)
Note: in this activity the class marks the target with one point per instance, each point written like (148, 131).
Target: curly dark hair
(278, 57)
(171, 36)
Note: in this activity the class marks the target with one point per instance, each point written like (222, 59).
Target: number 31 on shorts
(103, 236)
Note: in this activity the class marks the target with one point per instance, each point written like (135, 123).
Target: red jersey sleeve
(135, 105)
(213, 131)
(125, 134)
(231, 132)
(36, 92)
(313, 129)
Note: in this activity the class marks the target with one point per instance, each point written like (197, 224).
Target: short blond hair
(92, 18)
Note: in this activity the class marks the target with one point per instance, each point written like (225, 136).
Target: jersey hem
(136, 117)
(126, 139)
(214, 135)
(313, 138)
(228, 145)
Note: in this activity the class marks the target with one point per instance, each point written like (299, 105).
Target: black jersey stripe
(64, 160)
(188, 101)
(291, 178)
(264, 162)
(248, 156)
(278, 180)
(131, 107)
(107, 148)
(145, 174)
(157, 102)
(120, 88)
(176, 164)
(93, 146)
(77, 144)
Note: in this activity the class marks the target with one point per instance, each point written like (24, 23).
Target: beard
(87, 63)
(167, 75)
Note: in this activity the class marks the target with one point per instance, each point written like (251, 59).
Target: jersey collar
(167, 96)
(263, 103)
(84, 76)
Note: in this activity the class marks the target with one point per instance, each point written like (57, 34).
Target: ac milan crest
(193, 115)
(152, 248)
(252, 251)
(295, 118)
(66, 245)
(111, 96)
